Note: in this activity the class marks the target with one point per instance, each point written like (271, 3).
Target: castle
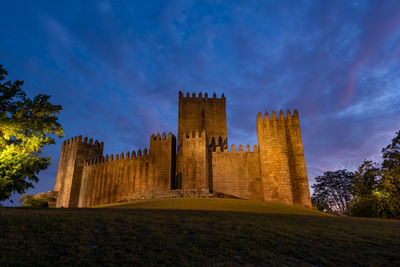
(198, 164)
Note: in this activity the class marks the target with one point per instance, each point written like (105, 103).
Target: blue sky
(116, 68)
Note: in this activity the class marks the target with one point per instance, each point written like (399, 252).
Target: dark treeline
(373, 190)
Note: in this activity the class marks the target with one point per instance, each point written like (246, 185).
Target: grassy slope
(222, 204)
(185, 237)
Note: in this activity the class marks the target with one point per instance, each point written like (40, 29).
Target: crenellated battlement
(200, 96)
(218, 141)
(233, 149)
(85, 141)
(280, 116)
(162, 137)
(119, 156)
(195, 135)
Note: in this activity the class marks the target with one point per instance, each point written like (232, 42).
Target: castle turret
(282, 162)
(73, 154)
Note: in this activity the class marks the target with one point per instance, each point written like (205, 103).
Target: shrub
(30, 201)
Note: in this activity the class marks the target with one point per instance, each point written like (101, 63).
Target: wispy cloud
(117, 67)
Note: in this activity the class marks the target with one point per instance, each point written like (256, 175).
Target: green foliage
(26, 126)
(366, 181)
(377, 190)
(30, 201)
(391, 167)
(332, 191)
(372, 191)
(389, 187)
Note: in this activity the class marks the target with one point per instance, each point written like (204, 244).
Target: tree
(366, 182)
(332, 191)
(26, 126)
(377, 190)
(366, 179)
(389, 187)
(391, 167)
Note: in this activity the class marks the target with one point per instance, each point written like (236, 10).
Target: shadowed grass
(215, 204)
(145, 236)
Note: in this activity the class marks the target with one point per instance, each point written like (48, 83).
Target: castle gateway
(199, 164)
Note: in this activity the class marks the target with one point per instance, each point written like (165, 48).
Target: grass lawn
(222, 204)
(199, 232)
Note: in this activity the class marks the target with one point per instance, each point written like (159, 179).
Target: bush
(363, 207)
(30, 201)
(379, 205)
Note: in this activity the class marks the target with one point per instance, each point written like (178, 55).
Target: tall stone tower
(74, 152)
(203, 113)
(201, 128)
(282, 162)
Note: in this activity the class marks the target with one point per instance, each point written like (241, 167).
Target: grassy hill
(194, 232)
(222, 204)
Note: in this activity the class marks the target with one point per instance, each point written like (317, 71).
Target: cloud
(117, 67)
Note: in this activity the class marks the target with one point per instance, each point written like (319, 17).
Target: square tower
(202, 113)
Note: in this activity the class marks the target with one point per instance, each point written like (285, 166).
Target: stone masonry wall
(73, 154)
(115, 178)
(123, 177)
(237, 173)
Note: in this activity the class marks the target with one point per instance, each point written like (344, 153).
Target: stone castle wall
(274, 171)
(123, 177)
(237, 173)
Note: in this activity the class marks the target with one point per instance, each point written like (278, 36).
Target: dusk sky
(116, 67)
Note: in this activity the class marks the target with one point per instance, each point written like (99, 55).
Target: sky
(116, 67)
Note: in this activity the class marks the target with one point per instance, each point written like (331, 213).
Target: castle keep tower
(203, 113)
(198, 164)
(201, 128)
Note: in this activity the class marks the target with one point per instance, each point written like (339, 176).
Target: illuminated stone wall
(237, 173)
(129, 176)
